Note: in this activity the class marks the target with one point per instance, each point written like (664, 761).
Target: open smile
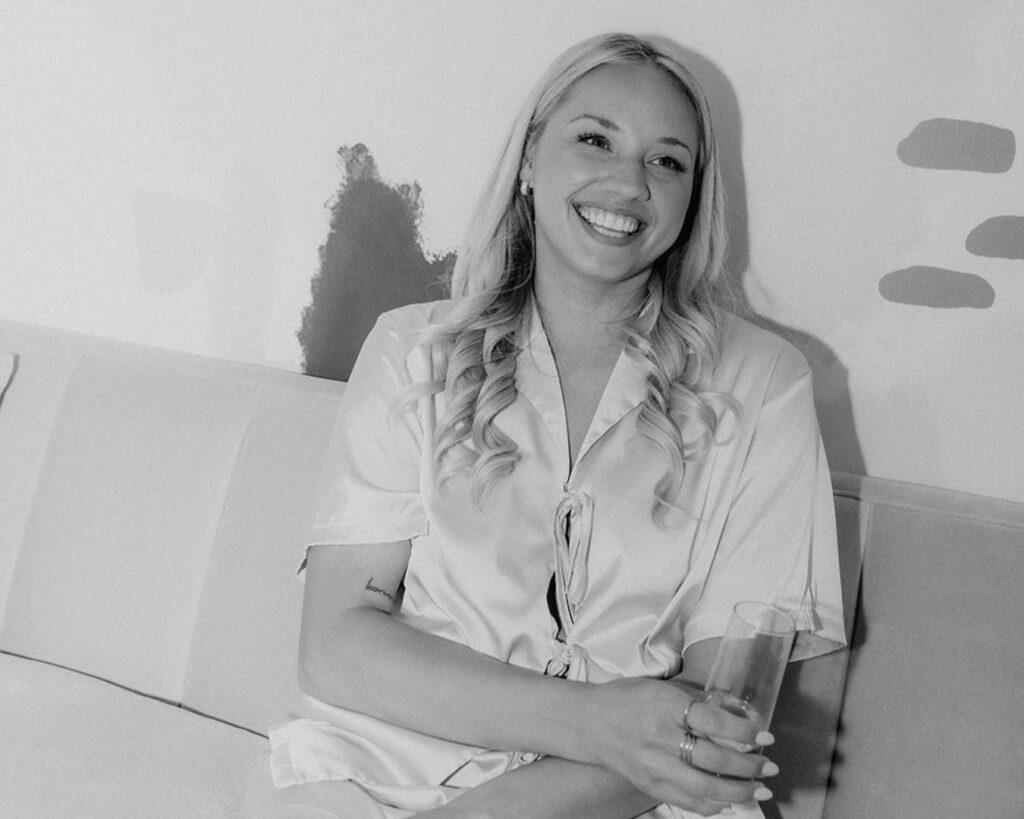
(606, 223)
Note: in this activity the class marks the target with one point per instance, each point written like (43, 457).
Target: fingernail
(762, 793)
(769, 769)
(764, 738)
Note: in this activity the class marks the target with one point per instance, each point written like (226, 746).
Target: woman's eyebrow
(603, 121)
(611, 126)
(673, 141)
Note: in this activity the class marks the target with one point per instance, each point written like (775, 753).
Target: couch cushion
(243, 661)
(111, 566)
(31, 388)
(932, 723)
(77, 746)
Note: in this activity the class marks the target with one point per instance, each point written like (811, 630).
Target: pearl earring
(524, 187)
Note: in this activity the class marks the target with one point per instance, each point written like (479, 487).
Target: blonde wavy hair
(675, 332)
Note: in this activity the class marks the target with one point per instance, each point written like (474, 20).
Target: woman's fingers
(713, 758)
(636, 728)
(707, 794)
(703, 719)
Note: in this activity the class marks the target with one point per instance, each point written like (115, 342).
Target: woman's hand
(635, 727)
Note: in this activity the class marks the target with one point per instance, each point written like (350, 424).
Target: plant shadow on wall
(373, 261)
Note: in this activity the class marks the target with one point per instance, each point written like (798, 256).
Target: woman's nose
(629, 178)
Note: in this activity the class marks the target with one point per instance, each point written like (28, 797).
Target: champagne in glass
(747, 673)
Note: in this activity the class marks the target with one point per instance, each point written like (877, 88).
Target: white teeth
(612, 224)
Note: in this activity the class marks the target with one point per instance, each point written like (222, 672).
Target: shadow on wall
(831, 377)
(241, 293)
(945, 145)
(236, 245)
(373, 261)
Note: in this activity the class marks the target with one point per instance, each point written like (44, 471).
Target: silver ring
(686, 748)
(686, 715)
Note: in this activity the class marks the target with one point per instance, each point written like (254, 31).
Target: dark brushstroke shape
(373, 260)
(958, 144)
(1001, 237)
(936, 287)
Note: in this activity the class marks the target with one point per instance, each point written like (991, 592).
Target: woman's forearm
(355, 654)
(550, 788)
(373, 663)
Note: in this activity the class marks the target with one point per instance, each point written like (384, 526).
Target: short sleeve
(370, 488)
(778, 542)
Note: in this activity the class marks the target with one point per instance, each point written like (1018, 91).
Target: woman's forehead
(644, 93)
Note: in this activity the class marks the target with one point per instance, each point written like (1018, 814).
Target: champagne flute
(747, 673)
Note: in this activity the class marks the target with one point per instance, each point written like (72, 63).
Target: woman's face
(612, 172)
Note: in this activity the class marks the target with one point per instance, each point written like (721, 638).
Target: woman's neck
(585, 336)
(581, 319)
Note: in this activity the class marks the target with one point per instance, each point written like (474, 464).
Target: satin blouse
(754, 521)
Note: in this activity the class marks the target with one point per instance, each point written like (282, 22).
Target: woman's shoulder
(395, 342)
(414, 317)
(749, 347)
(399, 334)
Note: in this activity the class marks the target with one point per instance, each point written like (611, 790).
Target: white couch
(152, 506)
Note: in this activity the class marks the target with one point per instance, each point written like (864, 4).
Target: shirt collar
(537, 382)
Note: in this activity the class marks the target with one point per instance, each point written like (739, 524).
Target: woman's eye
(596, 140)
(670, 162)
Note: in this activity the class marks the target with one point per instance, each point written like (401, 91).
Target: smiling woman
(548, 492)
(612, 175)
(612, 178)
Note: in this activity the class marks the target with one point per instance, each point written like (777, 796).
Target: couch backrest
(932, 721)
(153, 507)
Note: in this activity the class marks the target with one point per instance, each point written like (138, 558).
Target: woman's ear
(526, 173)
(526, 161)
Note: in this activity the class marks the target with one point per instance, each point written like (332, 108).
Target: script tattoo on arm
(378, 590)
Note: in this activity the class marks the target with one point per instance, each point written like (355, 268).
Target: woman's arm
(352, 653)
(554, 788)
(626, 733)
(550, 788)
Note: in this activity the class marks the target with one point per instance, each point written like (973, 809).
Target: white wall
(165, 165)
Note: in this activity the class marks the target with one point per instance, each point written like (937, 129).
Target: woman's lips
(607, 223)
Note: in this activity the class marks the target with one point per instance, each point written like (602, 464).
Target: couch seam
(929, 510)
(156, 697)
